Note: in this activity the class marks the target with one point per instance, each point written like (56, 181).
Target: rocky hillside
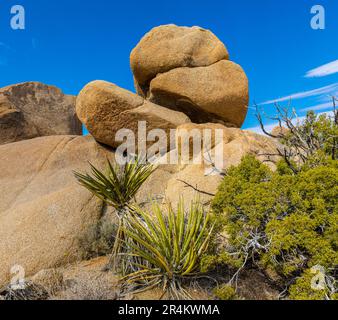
(29, 110)
(184, 81)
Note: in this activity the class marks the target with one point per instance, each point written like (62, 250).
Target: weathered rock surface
(33, 109)
(280, 131)
(191, 181)
(216, 93)
(187, 69)
(167, 47)
(105, 108)
(43, 210)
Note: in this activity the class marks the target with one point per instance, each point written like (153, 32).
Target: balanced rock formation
(187, 69)
(168, 47)
(105, 108)
(43, 210)
(33, 109)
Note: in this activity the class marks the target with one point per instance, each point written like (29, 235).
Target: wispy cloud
(272, 125)
(330, 89)
(318, 107)
(324, 70)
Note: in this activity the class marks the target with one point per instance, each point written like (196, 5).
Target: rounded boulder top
(187, 69)
(169, 46)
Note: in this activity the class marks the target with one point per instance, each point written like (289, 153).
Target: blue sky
(69, 43)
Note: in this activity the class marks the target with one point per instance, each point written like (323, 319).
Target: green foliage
(225, 292)
(302, 289)
(279, 220)
(119, 185)
(166, 247)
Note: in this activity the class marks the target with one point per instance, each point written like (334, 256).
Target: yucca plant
(165, 247)
(117, 187)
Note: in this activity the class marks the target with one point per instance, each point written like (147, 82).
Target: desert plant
(304, 141)
(117, 187)
(225, 292)
(165, 247)
(279, 221)
(30, 291)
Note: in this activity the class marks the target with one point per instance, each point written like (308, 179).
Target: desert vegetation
(282, 222)
(258, 223)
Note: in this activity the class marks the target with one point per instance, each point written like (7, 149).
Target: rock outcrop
(216, 93)
(168, 47)
(187, 69)
(185, 82)
(105, 108)
(33, 109)
(43, 210)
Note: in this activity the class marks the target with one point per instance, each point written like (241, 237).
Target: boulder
(43, 210)
(105, 108)
(216, 93)
(192, 181)
(280, 131)
(33, 109)
(168, 47)
(193, 137)
(187, 70)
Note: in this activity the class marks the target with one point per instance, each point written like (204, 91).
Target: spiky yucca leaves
(117, 187)
(165, 248)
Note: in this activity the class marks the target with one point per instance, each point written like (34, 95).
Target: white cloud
(270, 126)
(317, 107)
(330, 89)
(324, 70)
(267, 127)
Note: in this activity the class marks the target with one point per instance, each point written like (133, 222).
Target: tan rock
(216, 93)
(105, 108)
(202, 137)
(43, 210)
(280, 131)
(192, 181)
(86, 280)
(33, 109)
(192, 184)
(167, 47)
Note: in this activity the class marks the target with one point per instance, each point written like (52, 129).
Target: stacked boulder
(184, 81)
(181, 75)
(188, 69)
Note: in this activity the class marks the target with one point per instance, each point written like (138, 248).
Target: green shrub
(280, 221)
(302, 289)
(225, 292)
